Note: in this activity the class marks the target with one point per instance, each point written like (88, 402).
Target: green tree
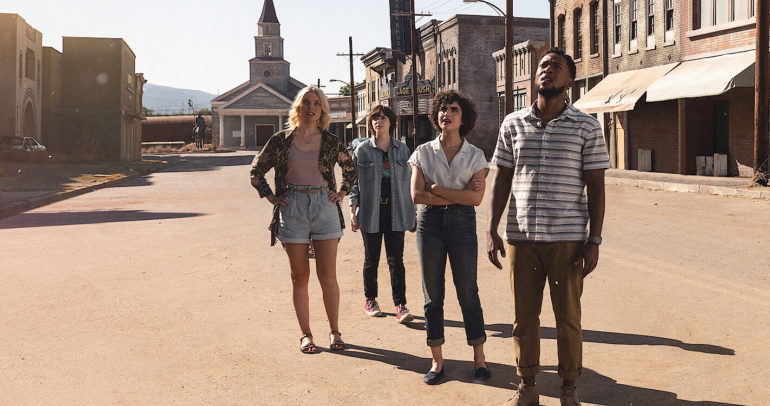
(204, 112)
(147, 112)
(345, 90)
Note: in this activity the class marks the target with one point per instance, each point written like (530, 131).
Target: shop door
(721, 127)
(263, 133)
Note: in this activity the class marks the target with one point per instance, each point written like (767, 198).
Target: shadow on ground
(33, 219)
(594, 387)
(501, 330)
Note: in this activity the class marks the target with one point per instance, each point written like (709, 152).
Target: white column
(280, 123)
(221, 130)
(243, 134)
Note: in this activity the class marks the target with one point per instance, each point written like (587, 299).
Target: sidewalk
(25, 186)
(736, 187)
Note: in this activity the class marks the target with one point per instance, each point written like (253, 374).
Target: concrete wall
(100, 97)
(21, 56)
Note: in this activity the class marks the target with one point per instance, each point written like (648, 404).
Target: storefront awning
(705, 77)
(620, 91)
(361, 120)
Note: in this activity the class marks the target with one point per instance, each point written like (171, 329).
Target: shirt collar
(436, 145)
(568, 113)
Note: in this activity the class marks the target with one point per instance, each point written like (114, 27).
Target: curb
(689, 188)
(17, 207)
(763, 194)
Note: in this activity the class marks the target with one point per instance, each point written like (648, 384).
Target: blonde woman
(307, 204)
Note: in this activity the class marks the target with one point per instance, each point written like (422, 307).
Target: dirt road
(165, 290)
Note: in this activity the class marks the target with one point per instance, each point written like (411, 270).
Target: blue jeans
(443, 232)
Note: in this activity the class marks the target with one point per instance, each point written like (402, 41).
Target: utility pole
(413, 35)
(415, 106)
(352, 92)
(761, 140)
(508, 57)
(319, 85)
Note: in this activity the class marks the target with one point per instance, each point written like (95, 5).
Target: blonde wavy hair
(294, 112)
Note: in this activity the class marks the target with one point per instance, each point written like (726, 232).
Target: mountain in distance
(166, 100)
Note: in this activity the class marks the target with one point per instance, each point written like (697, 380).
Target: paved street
(164, 290)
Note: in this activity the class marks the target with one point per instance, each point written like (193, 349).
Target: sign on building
(400, 38)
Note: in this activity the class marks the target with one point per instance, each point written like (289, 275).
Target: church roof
(268, 13)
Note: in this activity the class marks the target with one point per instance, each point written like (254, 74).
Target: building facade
(21, 84)
(93, 99)
(451, 54)
(525, 59)
(250, 113)
(679, 88)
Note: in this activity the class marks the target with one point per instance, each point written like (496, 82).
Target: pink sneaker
(371, 308)
(402, 314)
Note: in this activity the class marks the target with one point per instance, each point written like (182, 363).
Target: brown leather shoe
(569, 396)
(524, 396)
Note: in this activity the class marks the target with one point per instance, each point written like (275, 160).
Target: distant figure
(200, 130)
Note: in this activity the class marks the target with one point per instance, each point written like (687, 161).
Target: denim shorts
(309, 216)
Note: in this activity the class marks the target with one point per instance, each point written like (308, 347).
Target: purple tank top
(303, 167)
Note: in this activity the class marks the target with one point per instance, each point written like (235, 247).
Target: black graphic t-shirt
(385, 187)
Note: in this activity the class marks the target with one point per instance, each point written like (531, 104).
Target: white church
(253, 111)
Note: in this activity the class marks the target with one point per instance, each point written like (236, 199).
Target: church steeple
(268, 22)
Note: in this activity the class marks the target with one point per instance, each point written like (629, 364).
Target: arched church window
(268, 49)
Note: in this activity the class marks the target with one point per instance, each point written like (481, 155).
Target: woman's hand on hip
(282, 200)
(336, 197)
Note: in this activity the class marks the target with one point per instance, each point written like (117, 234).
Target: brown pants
(530, 264)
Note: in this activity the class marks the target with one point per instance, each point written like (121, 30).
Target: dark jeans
(394, 249)
(450, 232)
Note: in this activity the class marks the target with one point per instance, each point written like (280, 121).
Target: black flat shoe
(482, 374)
(432, 377)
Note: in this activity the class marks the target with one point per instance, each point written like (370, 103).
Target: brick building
(21, 56)
(451, 54)
(678, 85)
(526, 56)
(250, 113)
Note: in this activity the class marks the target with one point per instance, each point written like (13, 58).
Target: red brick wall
(653, 126)
(714, 41)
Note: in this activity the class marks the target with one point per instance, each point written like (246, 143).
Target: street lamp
(487, 3)
(508, 47)
(352, 110)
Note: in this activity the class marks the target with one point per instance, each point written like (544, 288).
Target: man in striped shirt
(546, 156)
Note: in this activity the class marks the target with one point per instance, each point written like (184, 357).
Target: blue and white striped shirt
(548, 202)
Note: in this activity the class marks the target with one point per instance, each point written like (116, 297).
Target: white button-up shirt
(430, 158)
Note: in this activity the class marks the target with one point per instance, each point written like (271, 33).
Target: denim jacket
(366, 191)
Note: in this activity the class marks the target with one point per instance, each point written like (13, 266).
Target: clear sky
(205, 45)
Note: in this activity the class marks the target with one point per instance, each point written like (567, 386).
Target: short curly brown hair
(381, 110)
(466, 105)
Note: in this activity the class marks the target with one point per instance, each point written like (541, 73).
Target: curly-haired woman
(448, 179)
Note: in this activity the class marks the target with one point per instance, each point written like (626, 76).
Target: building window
(454, 71)
(707, 13)
(21, 64)
(29, 64)
(268, 49)
(562, 36)
(617, 23)
(578, 21)
(595, 27)
(634, 4)
(669, 15)
(650, 17)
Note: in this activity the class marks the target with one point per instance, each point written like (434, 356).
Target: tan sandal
(336, 342)
(307, 347)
